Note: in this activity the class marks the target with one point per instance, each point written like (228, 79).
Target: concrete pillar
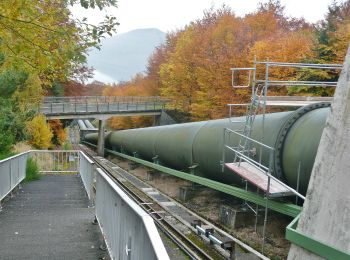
(326, 212)
(101, 138)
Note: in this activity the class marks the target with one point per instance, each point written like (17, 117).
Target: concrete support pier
(326, 212)
(101, 138)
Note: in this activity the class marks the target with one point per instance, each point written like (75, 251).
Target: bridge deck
(49, 219)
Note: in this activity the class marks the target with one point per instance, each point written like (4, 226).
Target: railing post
(86, 107)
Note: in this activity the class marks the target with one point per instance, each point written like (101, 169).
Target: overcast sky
(168, 15)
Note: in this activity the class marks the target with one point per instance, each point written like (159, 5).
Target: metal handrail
(241, 69)
(101, 107)
(101, 99)
(14, 156)
(111, 199)
(12, 173)
(301, 65)
(247, 159)
(250, 139)
(298, 83)
(86, 171)
(261, 166)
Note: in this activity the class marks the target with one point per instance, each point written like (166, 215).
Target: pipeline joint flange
(285, 130)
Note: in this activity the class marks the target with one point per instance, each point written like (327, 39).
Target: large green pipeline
(295, 136)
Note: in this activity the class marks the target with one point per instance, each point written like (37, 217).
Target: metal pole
(256, 213)
(267, 198)
(264, 108)
(223, 152)
(298, 178)
(265, 217)
(10, 172)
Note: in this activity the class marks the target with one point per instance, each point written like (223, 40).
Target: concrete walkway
(49, 219)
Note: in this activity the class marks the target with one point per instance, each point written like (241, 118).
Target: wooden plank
(258, 178)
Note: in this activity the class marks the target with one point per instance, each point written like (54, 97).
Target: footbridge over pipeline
(101, 108)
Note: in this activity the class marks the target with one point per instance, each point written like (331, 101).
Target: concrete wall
(326, 212)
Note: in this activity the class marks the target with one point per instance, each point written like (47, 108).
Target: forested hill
(124, 55)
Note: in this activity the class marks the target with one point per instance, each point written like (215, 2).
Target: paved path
(49, 219)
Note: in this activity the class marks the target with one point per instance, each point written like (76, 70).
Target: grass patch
(67, 146)
(5, 155)
(32, 170)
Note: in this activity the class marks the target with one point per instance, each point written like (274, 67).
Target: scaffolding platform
(259, 178)
(294, 101)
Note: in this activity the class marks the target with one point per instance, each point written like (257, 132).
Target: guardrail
(12, 172)
(103, 107)
(56, 161)
(101, 99)
(129, 232)
(86, 170)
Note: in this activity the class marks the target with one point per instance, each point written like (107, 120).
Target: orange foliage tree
(138, 86)
(59, 133)
(192, 67)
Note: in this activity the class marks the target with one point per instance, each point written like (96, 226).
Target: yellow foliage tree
(39, 132)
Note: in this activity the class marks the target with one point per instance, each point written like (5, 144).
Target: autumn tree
(41, 39)
(192, 67)
(59, 133)
(332, 39)
(39, 132)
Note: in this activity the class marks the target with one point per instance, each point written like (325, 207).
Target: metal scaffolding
(245, 163)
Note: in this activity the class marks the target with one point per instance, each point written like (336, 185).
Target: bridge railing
(56, 161)
(101, 99)
(86, 170)
(129, 231)
(66, 105)
(12, 173)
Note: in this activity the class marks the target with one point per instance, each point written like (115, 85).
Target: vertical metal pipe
(298, 178)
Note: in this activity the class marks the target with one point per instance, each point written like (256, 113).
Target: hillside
(124, 55)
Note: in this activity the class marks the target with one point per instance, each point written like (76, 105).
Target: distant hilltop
(124, 55)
